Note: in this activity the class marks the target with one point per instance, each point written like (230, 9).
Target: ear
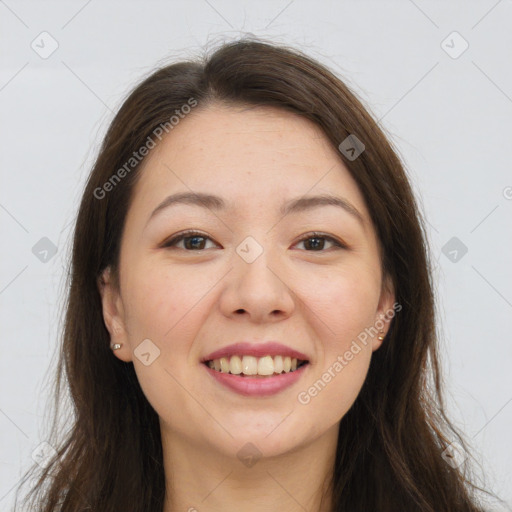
(386, 310)
(113, 314)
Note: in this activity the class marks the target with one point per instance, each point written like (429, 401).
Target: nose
(258, 291)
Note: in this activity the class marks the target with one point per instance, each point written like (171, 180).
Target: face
(251, 273)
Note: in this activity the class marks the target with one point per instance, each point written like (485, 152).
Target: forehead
(249, 155)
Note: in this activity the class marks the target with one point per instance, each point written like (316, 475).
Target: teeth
(278, 364)
(235, 365)
(266, 366)
(250, 365)
(224, 364)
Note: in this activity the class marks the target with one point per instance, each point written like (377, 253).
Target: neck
(201, 479)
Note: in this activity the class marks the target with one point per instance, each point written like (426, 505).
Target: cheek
(168, 307)
(161, 301)
(334, 388)
(345, 307)
(346, 303)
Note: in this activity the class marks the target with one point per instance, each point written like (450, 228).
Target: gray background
(448, 113)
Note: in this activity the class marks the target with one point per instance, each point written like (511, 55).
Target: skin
(192, 302)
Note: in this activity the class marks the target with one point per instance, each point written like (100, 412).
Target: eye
(319, 239)
(193, 240)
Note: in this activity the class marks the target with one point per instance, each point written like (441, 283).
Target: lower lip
(256, 386)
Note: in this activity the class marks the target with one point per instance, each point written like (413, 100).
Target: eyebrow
(213, 202)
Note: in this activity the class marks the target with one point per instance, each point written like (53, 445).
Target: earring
(115, 346)
(381, 337)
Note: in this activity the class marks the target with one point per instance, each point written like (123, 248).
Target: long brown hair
(392, 440)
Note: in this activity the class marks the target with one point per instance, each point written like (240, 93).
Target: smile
(256, 376)
(245, 365)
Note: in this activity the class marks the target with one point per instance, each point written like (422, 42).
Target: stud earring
(115, 346)
(381, 337)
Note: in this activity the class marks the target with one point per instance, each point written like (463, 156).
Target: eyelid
(318, 234)
(190, 233)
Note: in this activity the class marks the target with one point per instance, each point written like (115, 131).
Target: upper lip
(244, 348)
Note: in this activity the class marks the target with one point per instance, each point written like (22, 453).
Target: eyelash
(191, 234)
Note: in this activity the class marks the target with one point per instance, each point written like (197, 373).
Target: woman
(250, 323)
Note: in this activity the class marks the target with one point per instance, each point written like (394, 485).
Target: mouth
(256, 367)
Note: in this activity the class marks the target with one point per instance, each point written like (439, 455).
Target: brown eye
(315, 242)
(193, 241)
